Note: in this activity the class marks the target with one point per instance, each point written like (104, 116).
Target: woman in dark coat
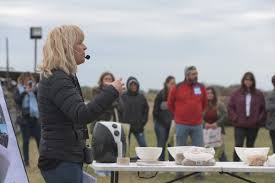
(162, 116)
(247, 112)
(63, 113)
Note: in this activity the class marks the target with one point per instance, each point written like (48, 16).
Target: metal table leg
(238, 177)
(114, 177)
(183, 177)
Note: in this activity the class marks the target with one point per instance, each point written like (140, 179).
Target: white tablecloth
(172, 167)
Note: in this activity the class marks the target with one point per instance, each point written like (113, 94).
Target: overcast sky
(151, 39)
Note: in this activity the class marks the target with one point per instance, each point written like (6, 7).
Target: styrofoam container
(210, 150)
(271, 160)
(173, 151)
(183, 149)
(148, 153)
(198, 157)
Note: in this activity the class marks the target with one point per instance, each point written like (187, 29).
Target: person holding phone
(25, 97)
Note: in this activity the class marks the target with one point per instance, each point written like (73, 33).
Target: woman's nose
(85, 47)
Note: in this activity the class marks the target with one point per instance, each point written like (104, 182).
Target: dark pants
(242, 134)
(65, 172)
(162, 134)
(139, 137)
(223, 157)
(31, 128)
(272, 136)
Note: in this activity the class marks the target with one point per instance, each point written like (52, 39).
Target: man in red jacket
(187, 101)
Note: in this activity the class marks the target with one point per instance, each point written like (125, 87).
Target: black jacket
(64, 116)
(135, 108)
(161, 113)
(109, 114)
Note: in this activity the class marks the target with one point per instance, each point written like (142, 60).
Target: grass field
(262, 140)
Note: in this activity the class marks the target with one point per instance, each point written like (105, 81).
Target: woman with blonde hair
(63, 113)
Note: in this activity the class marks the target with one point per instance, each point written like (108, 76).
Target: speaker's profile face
(79, 53)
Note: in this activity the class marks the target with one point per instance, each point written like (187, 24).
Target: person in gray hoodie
(135, 111)
(270, 108)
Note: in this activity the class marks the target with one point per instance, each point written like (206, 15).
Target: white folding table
(228, 168)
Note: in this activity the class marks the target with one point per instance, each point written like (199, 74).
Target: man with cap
(135, 111)
(187, 101)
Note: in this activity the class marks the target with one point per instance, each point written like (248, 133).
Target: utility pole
(35, 33)
(7, 63)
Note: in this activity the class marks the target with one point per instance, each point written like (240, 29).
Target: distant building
(13, 75)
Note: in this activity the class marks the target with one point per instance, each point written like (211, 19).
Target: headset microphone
(87, 57)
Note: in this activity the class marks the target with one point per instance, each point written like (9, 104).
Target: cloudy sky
(151, 39)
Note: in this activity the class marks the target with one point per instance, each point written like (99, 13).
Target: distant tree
(87, 92)
(151, 94)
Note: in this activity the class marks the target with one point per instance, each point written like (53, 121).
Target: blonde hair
(58, 51)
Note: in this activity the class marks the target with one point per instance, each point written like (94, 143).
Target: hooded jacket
(135, 107)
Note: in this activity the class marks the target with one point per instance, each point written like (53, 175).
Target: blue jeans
(65, 172)
(140, 138)
(162, 134)
(223, 157)
(195, 132)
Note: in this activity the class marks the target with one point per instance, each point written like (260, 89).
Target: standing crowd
(189, 104)
(195, 108)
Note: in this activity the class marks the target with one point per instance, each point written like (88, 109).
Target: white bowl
(178, 149)
(148, 153)
(243, 152)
